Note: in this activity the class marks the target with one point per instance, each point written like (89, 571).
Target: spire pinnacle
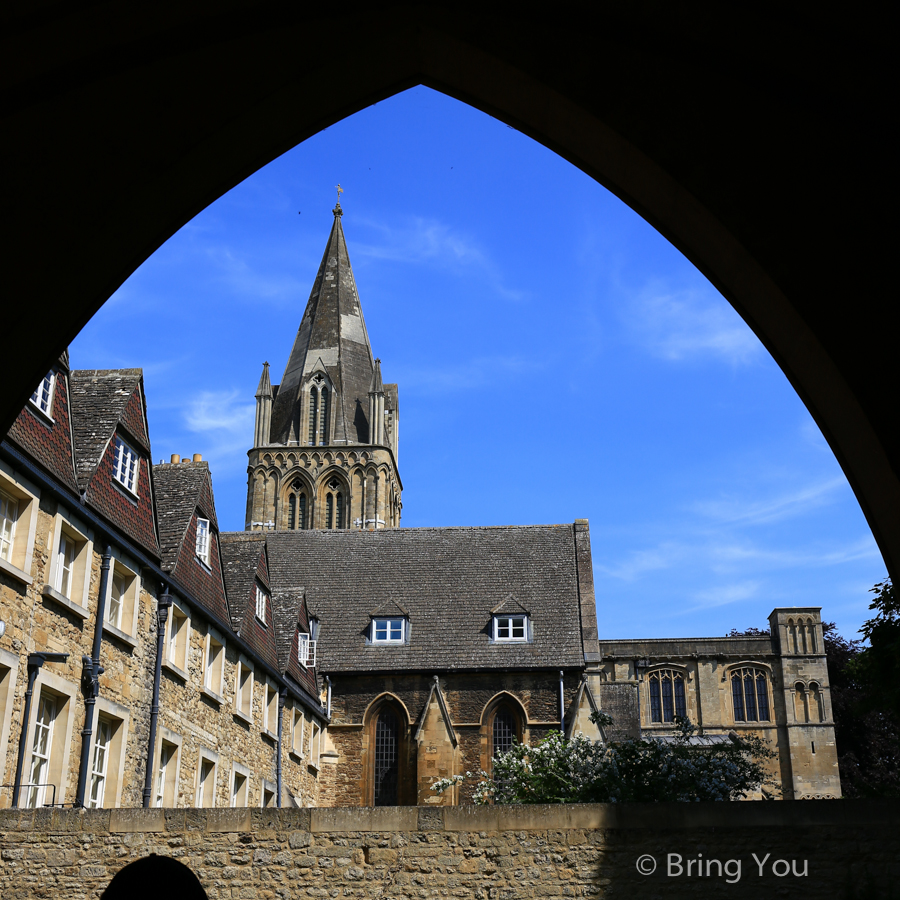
(265, 385)
(337, 209)
(377, 387)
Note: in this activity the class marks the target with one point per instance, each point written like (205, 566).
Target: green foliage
(577, 770)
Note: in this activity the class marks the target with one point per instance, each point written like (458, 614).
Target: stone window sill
(15, 572)
(210, 694)
(177, 671)
(60, 599)
(120, 635)
(272, 735)
(244, 717)
(297, 757)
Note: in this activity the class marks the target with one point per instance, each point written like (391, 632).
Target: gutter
(91, 670)
(162, 613)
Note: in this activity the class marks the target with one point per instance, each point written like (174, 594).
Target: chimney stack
(175, 458)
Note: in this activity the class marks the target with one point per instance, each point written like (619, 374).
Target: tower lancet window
(323, 407)
(313, 414)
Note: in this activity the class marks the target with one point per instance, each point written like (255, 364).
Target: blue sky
(556, 359)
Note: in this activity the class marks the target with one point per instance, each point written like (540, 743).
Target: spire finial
(337, 209)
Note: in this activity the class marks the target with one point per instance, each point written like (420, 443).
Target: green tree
(577, 770)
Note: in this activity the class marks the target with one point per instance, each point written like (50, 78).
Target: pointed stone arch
(387, 753)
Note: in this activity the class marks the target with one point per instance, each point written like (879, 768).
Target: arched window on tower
(301, 511)
(339, 511)
(750, 695)
(324, 411)
(292, 512)
(666, 695)
(313, 414)
(329, 511)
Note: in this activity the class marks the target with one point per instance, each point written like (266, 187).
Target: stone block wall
(823, 849)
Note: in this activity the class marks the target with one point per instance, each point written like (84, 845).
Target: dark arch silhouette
(757, 146)
(154, 876)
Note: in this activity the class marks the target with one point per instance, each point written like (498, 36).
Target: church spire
(332, 345)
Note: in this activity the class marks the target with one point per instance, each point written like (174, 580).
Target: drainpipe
(328, 701)
(562, 704)
(35, 661)
(162, 613)
(91, 670)
(282, 697)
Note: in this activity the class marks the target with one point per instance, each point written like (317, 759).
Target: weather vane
(340, 191)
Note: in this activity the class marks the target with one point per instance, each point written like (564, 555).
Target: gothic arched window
(323, 408)
(750, 695)
(503, 732)
(292, 512)
(313, 414)
(386, 758)
(666, 695)
(301, 511)
(339, 511)
(329, 511)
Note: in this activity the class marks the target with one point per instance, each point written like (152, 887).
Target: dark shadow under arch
(731, 134)
(154, 876)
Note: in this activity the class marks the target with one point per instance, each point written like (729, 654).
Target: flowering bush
(577, 770)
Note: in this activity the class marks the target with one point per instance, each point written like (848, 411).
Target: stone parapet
(824, 849)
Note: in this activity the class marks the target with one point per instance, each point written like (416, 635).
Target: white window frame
(270, 711)
(386, 624)
(103, 735)
(178, 640)
(315, 744)
(243, 689)
(168, 763)
(205, 788)
(239, 791)
(126, 466)
(70, 566)
(203, 541)
(262, 599)
(65, 694)
(306, 650)
(214, 664)
(17, 557)
(118, 719)
(41, 751)
(9, 517)
(510, 637)
(298, 721)
(42, 398)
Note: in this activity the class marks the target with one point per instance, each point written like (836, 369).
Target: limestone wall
(821, 849)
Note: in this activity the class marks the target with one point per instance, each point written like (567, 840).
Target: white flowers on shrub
(577, 770)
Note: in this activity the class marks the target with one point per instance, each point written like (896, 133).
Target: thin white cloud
(740, 511)
(225, 421)
(688, 324)
(724, 595)
(429, 241)
(640, 562)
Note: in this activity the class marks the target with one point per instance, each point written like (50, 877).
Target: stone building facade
(117, 566)
(323, 656)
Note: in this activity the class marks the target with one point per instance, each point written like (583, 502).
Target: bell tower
(324, 449)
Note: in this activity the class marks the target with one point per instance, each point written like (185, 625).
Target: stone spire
(332, 345)
(263, 409)
(376, 406)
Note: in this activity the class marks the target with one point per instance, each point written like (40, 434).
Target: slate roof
(449, 580)
(332, 330)
(240, 559)
(179, 489)
(98, 398)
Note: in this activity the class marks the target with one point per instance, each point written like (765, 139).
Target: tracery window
(750, 695)
(503, 732)
(319, 411)
(313, 414)
(666, 695)
(334, 506)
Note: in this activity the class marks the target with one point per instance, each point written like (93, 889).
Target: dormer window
(509, 629)
(43, 396)
(203, 541)
(388, 630)
(306, 650)
(125, 469)
(261, 601)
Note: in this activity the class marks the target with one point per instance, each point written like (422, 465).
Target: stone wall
(821, 849)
